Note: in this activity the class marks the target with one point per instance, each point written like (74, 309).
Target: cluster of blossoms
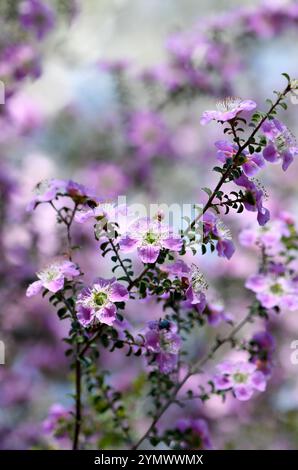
(173, 290)
(169, 279)
(24, 23)
(276, 286)
(205, 58)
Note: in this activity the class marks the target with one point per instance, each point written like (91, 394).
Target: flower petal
(148, 253)
(34, 289)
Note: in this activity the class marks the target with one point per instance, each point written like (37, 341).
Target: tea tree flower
(253, 199)
(250, 163)
(281, 143)
(195, 293)
(261, 348)
(194, 433)
(213, 228)
(96, 304)
(216, 314)
(149, 237)
(274, 291)
(227, 110)
(149, 134)
(242, 378)
(36, 16)
(53, 277)
(163, 340)
(57, 416)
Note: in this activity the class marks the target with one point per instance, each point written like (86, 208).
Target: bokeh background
(111, 96)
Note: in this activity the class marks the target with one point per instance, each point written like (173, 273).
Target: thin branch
(114, 248)
(192, 371)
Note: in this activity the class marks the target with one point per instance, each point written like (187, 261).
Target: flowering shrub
(166, 329)
(98, 313)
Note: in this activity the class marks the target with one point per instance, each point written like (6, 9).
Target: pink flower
(149, 134)
(163, 340)
(216, 314)
(242, 377)
(262, 346)
(281, 143)
(253, 199)
(97, 303)
(48, 190)
(251, 163)
(58, 415)
(36, 16)
(149, 237)
(53, 277)
(214, 228)
(227, 110)
(195, 433)
(274, 291)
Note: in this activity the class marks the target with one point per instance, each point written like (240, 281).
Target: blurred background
(110, 94)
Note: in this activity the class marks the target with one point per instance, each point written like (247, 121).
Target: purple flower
(97, 303)
(48, 190)
(53, 277)
(274, 291)
(113, 65)
(262, 346)
(36, 16)
(195, 433)
(270, 238)
(196, 297)
(108, 212)
(227, 110)
(107, 179)
(216, 314)
(57, 416)
(215, 229)
(281, 143)
(149, 237)
(23, 62)
(149, 134)
(168, 75)
(177, 269)
(253, 200)
(251, 164)
(162, 339)
(242, 377)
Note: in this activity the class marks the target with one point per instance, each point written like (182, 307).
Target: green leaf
(207, 191)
